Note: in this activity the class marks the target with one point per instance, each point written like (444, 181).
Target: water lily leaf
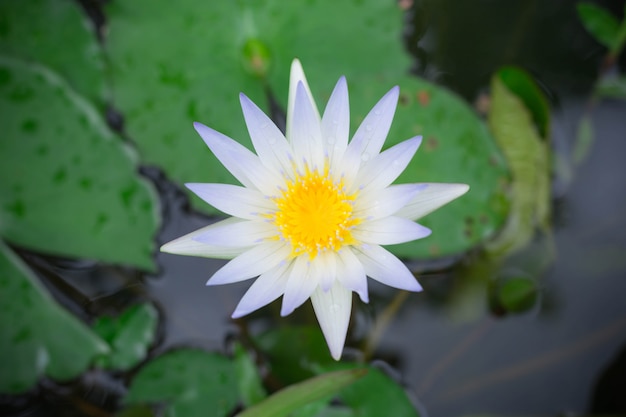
(58, 35)
(527, 156)
(600, 23)
(36, 334)
(173, 68)
(170, 69)
(129, 336)
(250, 384)
(188, 382)
(457, 148)
(289, 399)
(69, 187)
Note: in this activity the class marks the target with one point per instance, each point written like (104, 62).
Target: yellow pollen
(315, 214)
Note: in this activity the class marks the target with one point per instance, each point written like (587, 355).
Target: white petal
(233, 199)
(255, 261)
(336, 122)
(268, 140)
(332, 309)
(371, 134)
(239, 160)
(351, 274)
(326, 268)
(306, 136)
(296, 75)
(382, 203)
(387, 166)
(300, 285)
(384, 267)
(433, 196)
(265, 289)
(188, 245)
(242, 233)
(390, 231)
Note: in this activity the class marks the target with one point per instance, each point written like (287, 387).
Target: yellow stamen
(315, 214)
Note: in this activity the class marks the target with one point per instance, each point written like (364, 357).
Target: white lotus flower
(314, 210)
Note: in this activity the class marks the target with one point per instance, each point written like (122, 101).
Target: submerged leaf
(69, 187)
(37, 336)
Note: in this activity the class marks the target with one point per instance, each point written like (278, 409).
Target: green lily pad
(528, 157)
(173, 64)
(129, 336)
(69, 187)
(37, 336)
(456, 148)
(170, 67)
(189, 382)
(58, 35)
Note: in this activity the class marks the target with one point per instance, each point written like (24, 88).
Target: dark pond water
(453, 354)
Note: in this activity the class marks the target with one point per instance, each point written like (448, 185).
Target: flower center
(315, 214)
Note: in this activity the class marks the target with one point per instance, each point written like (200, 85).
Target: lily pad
(457, 148)
(171, 69)
(57, 34)
(188, 382)
(37, 336)
(517, 294)
(176, 64)
(69, 187)
(129, 336)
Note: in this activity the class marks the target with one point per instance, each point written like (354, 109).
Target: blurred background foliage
(96, 104)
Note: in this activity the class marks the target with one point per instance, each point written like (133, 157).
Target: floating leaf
(189, 382)
(171, 69)
(250, 384)
(69, 187)
(456, 147)
(37, 336)
(287, 400)
(128, 336)
(601, 24)
(527, 155)
(58, 35)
